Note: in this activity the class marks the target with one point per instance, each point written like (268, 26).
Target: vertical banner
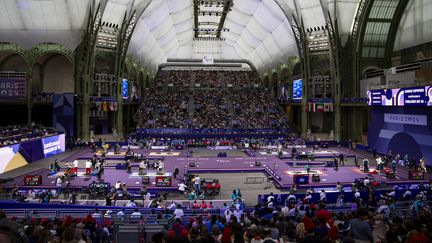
(134, 90)
(125, 89)
(64, 113)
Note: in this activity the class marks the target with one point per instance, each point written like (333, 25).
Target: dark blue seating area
(332, 196)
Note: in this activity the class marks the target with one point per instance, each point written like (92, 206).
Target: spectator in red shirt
(210, 205)
(203, 205)
(323, 213)
(195, 205)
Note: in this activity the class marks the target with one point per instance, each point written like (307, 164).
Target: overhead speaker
(257, 163)
(192, 164)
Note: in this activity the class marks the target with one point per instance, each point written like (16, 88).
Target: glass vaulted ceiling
(258, 29)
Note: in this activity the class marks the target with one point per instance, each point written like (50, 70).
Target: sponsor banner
(159, 147)
(419, 120)
(17, 155)
(53, 145)
(413, 96)
(131, 147)
(219, 147)
(296, 146)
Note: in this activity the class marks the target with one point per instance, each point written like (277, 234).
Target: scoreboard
(31, 180)
(412, 96)
(163, 181)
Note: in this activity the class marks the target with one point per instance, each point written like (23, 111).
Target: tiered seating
(254, 109)
(213, 99)
(300, 219)
(210, 109)
(173, 110)
(145, 114)
(16, 133)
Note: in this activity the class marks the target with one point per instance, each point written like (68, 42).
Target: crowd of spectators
(210, 109)
(255, 108)
(239, 79)
(307, 220)
(145, 114)
(68, 230)
(238, 142)
(20, 133)
(173, 110)
(296, 220)
(209, 79)
(179, 79)
(218, 95)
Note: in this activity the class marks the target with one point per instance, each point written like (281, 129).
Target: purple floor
(329, 176)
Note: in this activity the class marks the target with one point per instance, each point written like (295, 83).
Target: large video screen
(403, 130)
(413, 96)
(17, 155)
(297, 89)
(125, 89)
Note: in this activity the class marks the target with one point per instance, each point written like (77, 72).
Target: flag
(328, 107)
(319, 107)
(105, 106)
(311, 107)
(98, 105)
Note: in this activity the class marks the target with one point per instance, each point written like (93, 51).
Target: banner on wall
(283, 93)
(412, 96)
(407, 119)
(12, 88)
(134, 91)
(53, 145)
(17, 155)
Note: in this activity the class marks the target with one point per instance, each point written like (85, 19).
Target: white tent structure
(258, 30)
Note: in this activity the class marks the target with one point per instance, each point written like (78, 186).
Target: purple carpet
(281, 168)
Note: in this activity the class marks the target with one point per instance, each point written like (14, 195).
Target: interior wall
(316, 121)
(57, 73)
(14, 63)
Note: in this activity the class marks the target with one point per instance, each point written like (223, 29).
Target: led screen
(125, 89)
(297, 89)
(417, 96)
